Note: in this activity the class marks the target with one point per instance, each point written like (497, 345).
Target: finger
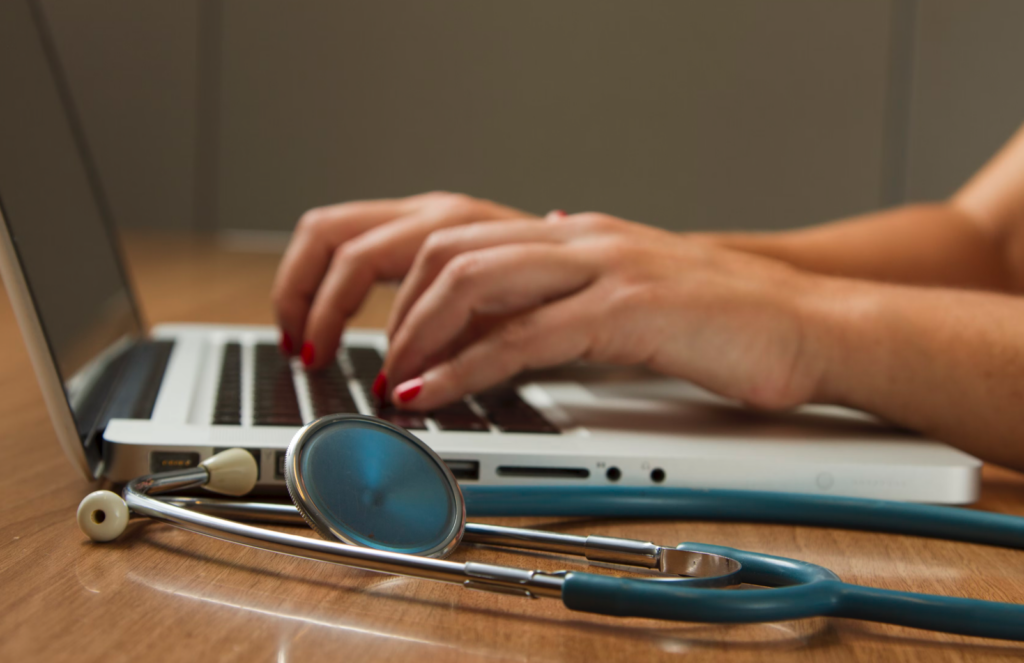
(548, 336)
(385, 252)
(445, 244)
(494, 281)
(318, 234)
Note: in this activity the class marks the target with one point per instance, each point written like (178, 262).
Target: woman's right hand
(338, 252)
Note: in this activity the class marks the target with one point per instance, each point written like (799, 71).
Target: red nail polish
(380, 387)
(307, 353)
(409, 389)
(558, 212)
(286, 344)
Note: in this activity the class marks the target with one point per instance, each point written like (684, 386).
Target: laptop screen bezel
(41, 355)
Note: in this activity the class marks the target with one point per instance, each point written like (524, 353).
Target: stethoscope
(382, 500)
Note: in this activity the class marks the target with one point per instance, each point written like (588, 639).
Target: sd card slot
(526, 472)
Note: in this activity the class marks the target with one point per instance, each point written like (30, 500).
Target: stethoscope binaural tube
(378, 465)
(800, 589)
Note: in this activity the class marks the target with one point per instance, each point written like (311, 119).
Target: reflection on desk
(163, 594)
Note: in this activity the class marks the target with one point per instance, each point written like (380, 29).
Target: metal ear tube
(384, 501)
(104, 515)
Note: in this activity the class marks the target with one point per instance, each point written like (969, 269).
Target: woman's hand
(485, 301)
(338, 252)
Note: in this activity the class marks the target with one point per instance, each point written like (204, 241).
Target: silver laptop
(127, 401)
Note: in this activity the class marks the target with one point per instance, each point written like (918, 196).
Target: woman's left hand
(485, 301)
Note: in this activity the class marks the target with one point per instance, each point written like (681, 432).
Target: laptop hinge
(127, 389)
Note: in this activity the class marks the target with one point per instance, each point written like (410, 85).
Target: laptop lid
(58, 252)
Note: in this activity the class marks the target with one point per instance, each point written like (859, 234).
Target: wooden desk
(163, 594)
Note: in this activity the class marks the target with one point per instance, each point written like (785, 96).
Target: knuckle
(351, 252)
(455, 204)
(354, 258)
(438, 246)
(313, 222)
(596, 222)
(611, 251)
(463, 270)
(632, 297)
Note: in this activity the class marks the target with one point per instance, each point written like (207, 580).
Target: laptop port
(613, 474)
(543, 472)
(279, 465)
(165, 461)
(255, 453)
(657, 475)
(464, 470)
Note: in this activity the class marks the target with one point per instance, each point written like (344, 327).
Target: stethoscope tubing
(820, 593)
(941, 522)
(799, 590)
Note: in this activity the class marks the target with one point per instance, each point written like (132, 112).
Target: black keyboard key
(511, 414)
(274, 400)
(329, 393)
(366, 364)
(227, 409)
(458, 416)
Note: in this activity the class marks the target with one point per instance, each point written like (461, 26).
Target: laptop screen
(54, 210)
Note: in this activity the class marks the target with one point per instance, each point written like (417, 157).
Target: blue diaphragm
(372, 484)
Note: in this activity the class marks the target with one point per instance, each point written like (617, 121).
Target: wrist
(843, 330)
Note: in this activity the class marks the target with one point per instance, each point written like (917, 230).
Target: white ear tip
(232, 472)
(103, 515)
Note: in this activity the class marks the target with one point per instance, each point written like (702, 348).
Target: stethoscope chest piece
(384, 501)
(363, 481)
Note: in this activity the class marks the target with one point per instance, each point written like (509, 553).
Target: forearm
(947, 363)
(934, 244)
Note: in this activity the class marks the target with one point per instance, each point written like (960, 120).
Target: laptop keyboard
(275, 402)
(227, 409)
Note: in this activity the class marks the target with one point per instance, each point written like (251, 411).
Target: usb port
(464, 470)
(165, 461)
(279, 465)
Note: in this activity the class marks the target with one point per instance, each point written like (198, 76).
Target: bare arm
(947, 363)
(974, 240)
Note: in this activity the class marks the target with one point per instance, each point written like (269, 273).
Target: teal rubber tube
(942, 522)
(801, 590)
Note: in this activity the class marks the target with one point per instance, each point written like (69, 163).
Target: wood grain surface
(162, 594)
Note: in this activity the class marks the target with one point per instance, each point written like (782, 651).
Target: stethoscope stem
(472, 575)
(716, 571)
(799, 589)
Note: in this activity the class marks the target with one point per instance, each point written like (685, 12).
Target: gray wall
(686, 114)
(131, 65)
(968, 90)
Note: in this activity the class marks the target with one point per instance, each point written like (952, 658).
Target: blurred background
(237, 115)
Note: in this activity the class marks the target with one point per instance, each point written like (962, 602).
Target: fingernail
(409, 389)
(556, 214)
(380, 386)
(286, 344)
(307, 354)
